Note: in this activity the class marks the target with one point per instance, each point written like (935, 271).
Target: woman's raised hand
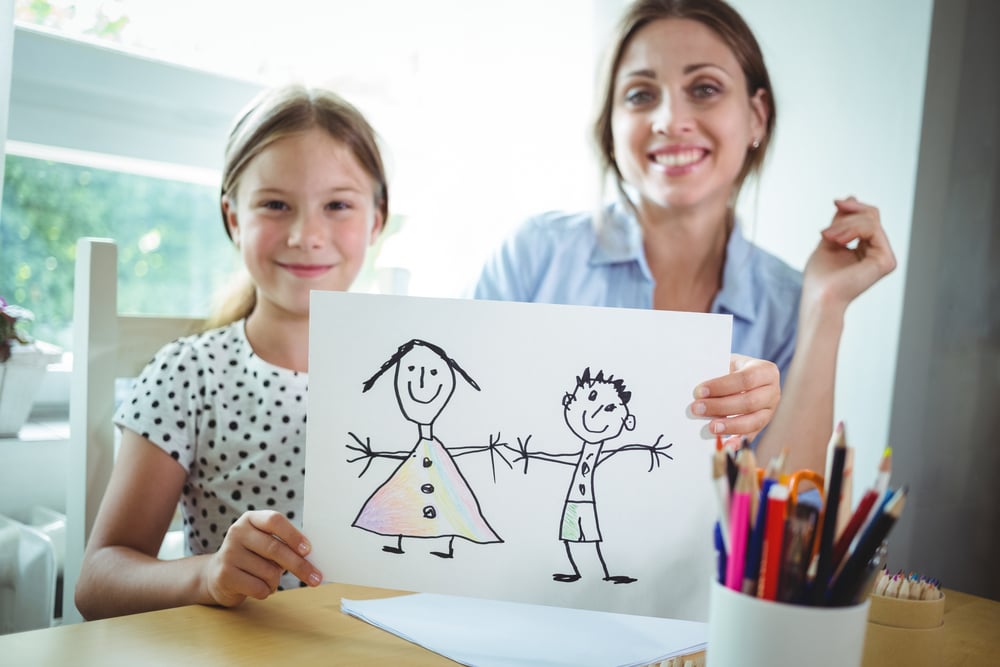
(257, 550)
(837, 273)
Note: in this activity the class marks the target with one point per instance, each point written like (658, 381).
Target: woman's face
(682, 120)
(303, 218)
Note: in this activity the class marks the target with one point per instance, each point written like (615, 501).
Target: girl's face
(303, 218)
(682, 120)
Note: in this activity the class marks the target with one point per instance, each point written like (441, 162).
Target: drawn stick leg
(618, 578)
(451, 549)
(398, 549)
(576, 571)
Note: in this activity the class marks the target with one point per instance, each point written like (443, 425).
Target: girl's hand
(835, 273)
(741, 403)
(258, 548)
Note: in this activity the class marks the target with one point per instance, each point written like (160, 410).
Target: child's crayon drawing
(526, 452)
(426, 496)
(596, 411)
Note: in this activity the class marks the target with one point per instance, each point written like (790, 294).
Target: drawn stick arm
(494, 448)
(655, 451)
(365, 452)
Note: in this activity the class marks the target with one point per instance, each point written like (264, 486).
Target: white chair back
(106, 346)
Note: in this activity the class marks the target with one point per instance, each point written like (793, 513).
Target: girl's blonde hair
(277, 113)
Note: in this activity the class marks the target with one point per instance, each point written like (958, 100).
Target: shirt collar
(618, 238)
(736, 295)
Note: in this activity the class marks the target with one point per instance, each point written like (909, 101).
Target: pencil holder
(904, 632)
(745, 630)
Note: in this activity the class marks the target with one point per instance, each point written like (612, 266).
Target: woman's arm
(834, 276)
(121, 573)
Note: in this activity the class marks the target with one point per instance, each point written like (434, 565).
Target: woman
(688, 113)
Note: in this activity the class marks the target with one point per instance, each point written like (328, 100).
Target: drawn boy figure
(426, 496)
(597, 412)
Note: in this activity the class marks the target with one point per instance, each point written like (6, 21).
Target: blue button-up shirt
(568, 258)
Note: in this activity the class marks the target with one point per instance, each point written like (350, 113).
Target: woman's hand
(742, 402)
(257, 550)
(836, 273)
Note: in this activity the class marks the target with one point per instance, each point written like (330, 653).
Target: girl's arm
(121, 573)
(834, 276)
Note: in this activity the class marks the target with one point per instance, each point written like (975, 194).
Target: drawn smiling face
(424, 384)
(595, 413)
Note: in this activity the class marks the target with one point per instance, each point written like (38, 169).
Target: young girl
(687, 114)
(217, 420)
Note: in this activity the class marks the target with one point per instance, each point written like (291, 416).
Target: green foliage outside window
(173, 254)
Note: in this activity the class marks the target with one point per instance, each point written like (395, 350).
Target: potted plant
(23, 362)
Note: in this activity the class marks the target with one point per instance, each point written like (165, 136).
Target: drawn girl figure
(596, 412)
(426, 496)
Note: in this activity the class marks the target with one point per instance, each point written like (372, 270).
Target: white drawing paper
(525, 452)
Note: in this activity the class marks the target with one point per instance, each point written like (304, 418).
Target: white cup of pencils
(796, 562)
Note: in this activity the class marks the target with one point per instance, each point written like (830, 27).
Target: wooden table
(306, 627)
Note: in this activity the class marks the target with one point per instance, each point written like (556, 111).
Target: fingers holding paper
(259, 547)
(742, 402)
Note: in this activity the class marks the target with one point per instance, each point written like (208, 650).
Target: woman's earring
(755, 145)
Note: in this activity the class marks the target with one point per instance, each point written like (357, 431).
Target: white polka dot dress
(235, 423)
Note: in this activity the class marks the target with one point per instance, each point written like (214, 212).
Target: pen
(855, 573)
(755, 545)
(796, 550)
(720, 553)
(774, 534)
(831, 507)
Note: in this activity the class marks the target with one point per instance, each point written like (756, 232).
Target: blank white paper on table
(489, 633)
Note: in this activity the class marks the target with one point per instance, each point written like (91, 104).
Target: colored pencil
(720, 480)
(854, 574)
(774, 535)
(852, 529)
(739, 528)
(828, 522)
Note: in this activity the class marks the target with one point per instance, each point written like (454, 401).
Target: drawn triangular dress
(426, 496)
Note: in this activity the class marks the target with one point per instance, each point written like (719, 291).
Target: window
(483, 109)
(49, 204)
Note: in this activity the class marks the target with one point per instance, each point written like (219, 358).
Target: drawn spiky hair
(585, 380)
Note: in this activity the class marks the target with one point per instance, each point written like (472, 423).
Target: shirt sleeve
(160, 406)
(507, 274)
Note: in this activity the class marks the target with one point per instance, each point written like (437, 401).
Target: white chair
(106, 346)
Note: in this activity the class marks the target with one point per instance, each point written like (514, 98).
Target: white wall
(849, 81)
